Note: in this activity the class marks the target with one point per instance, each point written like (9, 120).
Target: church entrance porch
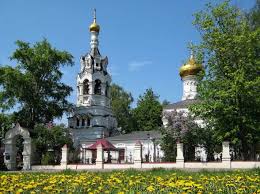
(11, 151)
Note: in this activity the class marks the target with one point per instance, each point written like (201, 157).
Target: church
(92, 118)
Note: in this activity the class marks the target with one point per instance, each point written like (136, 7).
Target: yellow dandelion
(19, 191)
(150, 188)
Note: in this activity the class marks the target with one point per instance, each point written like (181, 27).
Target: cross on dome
(94, 27)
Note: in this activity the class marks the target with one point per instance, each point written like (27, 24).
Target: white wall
(187, 165)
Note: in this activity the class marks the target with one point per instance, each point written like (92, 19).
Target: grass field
(131, 181)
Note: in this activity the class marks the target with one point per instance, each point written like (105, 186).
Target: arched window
(85, 87)
(97, 89)
(77, 122)
(78, 90)
(83, 122)
(88, 122)
(107, 89)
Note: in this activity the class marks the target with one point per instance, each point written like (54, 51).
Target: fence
(226, 162)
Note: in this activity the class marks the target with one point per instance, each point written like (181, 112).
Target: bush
(48, 158)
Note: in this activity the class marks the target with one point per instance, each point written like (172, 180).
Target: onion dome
(94, 27)
(190, 68)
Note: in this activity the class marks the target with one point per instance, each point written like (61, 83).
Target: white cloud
(137, 65)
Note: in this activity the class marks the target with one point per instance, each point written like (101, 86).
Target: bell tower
(93, 81)
(92, 117)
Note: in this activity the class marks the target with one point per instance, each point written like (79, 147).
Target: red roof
(106, 145)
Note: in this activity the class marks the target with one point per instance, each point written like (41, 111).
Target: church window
(107, 89)
(85, 87)
(88, 122)
(97, 87)
(77, 122)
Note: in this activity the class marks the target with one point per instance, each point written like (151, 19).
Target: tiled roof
(180, 104)
(137, 135)
(106, 145)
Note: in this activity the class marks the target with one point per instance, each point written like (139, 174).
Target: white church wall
(129, 151)
(189, 87)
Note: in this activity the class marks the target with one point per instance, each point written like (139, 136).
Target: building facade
(92, 118)
(125, 143)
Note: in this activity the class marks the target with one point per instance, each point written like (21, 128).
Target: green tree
(121, 107)
(229, 92)
(148, 112)
(49, 141)
(254, 15)
(181, 128)
(34, 86)
(5, 125)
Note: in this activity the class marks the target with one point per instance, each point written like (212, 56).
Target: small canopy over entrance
(106, 145)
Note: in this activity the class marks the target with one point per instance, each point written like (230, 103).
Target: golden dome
(94, 27)
(190, 68)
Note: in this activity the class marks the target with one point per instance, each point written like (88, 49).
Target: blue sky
(146, 41)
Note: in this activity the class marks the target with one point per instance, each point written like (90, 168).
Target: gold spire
(190, 68)
(94, 27)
